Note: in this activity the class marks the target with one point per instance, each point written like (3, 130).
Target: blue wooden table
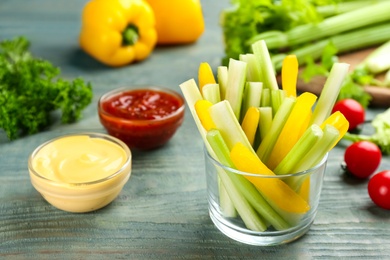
(162, 211)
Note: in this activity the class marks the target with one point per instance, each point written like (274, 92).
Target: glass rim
(276, 176)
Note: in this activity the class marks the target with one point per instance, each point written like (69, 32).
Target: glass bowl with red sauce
(144, 118)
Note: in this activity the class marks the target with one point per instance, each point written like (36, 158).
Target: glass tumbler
(262, 217)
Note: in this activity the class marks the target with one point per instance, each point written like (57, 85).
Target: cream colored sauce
(79, 159)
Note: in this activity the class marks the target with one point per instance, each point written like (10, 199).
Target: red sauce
(142, 118)
(142, 105)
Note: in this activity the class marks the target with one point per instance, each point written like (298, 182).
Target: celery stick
(265, 121)
(277, 96)
(379, 60)
(254, 73)
(319, 150)
(222, 76)
(192, 94)
(299, 150)
(314, 156)
(211, 93)
(329, 93)
(267, 144)
(260, 50)
(266, 98)
(243, 186)
(386, 81)
(252, 96)
(346, 42)
(226, 122)
(236, 84)
(359, 18)
(226, 204)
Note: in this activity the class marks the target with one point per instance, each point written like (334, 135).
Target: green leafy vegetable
(381, 137)
(30, 91)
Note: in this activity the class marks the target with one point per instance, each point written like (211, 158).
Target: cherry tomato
(379, 189)
(352, 110)
(362, 158)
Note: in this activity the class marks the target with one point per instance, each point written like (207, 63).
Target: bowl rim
(91, 135)
(120, 90)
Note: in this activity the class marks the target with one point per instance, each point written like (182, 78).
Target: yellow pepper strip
(250, 123)
(292, 130)
(178, 21)
(118, 32)
(205, 75)
(277, 193)
(201, 108)
(338, 120)
(304, 191)
(289, 75)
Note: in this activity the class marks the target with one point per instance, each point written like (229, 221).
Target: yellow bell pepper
(118, 32)
(178, 21)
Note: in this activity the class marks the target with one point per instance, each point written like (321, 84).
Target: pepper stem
(130, 35)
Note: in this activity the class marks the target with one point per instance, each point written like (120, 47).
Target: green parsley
(30, 91)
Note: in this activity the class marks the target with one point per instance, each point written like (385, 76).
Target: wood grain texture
(162, 211)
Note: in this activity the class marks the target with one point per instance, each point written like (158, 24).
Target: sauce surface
(79, 159)
(141, 104)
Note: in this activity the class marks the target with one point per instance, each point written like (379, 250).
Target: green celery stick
(319, 150)
(266, 98)
(211, 93)
(236, 84)
(277, 96)
(252, 96)
(243, 186)
(314, 155)
(192, 94)
(265, 121)
(299, 150)
(254, 69)
(223, 117)
(260, 50)
(267, 144)
(329, 93)
(222, 76)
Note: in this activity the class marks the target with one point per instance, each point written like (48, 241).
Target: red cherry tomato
(379, 189)
(362, 158)
(352, 110)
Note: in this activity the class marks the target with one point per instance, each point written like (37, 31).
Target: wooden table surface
(162, 211)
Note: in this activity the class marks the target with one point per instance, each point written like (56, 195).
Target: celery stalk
(211, 93)
(254, 73)
(265, 121)
(319, 150)
(379, 60)
(359, 18)
(266, 98)
(299, 150)
(348, 41)
(277, 96)
(329, 93)
(226, 122)
(386, 81)
(236, 84)
(192, 95)
(243, 186)
(252, 96)
(314, 156)
(267, 144)
(260, 50)
(222, 76)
